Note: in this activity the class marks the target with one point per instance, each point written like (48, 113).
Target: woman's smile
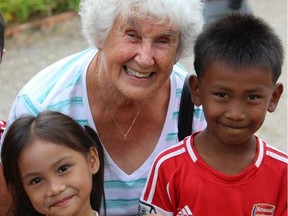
(137, 74)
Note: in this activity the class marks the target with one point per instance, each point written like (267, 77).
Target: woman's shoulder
(179, 71)
(61, 74)
(177, 77)
(55, 87)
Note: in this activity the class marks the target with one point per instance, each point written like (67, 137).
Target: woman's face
(138, 56)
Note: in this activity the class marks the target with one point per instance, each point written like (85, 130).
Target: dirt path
(30, 52)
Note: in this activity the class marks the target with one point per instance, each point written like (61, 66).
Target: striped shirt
(62, 87)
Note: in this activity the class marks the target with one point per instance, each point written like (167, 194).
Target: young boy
(226, 169)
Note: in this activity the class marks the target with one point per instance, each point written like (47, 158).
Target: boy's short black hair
(239, 40)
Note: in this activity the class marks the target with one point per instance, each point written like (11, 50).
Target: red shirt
(181, 183)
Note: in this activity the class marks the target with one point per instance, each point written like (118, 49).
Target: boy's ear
(93, 160)
(195, 90)
(275, 97)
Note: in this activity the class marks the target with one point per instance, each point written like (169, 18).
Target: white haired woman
(127, 86)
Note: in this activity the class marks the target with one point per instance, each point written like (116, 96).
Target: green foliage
(20, 11)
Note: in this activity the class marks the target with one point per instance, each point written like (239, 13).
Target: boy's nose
(235, 111)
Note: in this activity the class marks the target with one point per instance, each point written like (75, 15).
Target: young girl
(53, 166)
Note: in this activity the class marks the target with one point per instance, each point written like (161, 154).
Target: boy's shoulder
(185, 148)
(271, 159)
(176, 153)
(276, 154)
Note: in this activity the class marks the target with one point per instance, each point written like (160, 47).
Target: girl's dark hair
(59, 129)
(241, 41)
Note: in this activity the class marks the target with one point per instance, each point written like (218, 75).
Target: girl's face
(138, 56)
(58, 179)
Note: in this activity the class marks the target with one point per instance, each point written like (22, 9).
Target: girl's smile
(57, 179)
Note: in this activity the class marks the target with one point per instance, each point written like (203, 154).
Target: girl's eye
(35, 181)
(63, 168)
(221, 95)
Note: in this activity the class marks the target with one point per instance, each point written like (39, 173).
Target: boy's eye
(252, 97)
(63, 168)
(35, 181)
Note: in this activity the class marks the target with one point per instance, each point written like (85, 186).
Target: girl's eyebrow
(31, 174)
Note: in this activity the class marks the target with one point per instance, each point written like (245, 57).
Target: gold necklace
(125, 139)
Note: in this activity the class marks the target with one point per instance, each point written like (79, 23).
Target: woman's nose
(145, 55)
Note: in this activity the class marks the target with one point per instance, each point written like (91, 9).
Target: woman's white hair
(98, 16)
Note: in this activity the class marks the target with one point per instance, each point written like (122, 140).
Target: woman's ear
(278, 90)
(195, 90)
(93, 160)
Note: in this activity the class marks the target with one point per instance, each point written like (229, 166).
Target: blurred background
(40, 32)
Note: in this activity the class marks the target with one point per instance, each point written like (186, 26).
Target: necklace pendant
(125, 140)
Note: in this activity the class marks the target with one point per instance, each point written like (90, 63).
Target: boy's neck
(227, 159)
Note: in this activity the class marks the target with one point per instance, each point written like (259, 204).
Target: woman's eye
(133, 35)
(35, 181)
(63, 168)
(163, 41)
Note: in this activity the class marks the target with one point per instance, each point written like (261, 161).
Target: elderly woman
(127, 86)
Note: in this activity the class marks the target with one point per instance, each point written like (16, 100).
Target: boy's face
(235, 101)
